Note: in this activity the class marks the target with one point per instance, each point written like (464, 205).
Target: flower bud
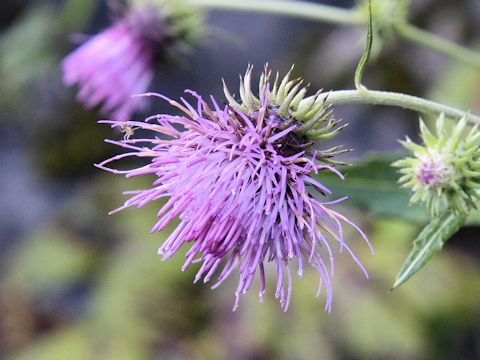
(445, 171)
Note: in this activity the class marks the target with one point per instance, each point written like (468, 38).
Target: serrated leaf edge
(458, 221)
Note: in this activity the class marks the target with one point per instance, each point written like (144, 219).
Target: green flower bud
(445, 170)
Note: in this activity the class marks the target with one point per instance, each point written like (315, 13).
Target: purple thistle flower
(242, 186)
(115, 64)
(119, 62)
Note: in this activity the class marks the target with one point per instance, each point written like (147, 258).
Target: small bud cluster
(445, 171)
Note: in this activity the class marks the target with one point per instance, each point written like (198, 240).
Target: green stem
(438, 44)
(301, 9)
(372, 97)
(347, 17)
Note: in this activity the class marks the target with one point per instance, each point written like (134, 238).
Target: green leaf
(428, 242)
(372, 185)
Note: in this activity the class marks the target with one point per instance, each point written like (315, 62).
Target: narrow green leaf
(428, 242)
(366, 53)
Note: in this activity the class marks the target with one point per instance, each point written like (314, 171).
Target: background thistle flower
(241, 181)
(445, 170)
(120, 61)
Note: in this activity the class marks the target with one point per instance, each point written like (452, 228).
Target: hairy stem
(371, 97)
(438, 44)
(301, 9)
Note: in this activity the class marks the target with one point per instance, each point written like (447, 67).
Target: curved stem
(372, 97)
(301, 9)
(432, 41)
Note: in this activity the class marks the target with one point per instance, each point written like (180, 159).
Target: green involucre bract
(287, 98)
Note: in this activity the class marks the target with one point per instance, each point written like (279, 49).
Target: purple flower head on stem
(442, 172)
(242, 185)
(119, 62)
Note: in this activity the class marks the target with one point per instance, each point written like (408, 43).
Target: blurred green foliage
(20, 64)
(86, 286)
(29, 48)
(141, 308)
(49, 260)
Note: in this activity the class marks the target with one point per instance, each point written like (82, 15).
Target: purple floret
(433, 172)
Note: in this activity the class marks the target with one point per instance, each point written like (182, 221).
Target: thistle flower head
(244, 186)
(119, 62)
(445, 170)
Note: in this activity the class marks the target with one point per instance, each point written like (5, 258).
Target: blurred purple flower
(117, 63)
(242, 186)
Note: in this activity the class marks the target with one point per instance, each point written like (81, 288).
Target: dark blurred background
(78, 284)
